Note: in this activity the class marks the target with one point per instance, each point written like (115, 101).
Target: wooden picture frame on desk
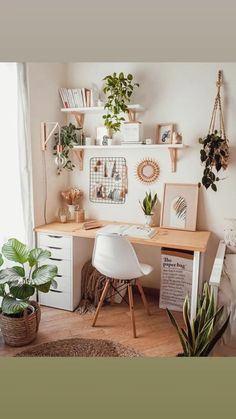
(179, 206)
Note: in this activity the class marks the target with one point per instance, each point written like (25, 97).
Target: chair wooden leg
(131, 307)
(102, 298)
(144, 300)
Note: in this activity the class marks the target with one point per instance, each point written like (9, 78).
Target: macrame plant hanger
(218, 109)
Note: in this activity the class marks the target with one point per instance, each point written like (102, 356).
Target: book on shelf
(78, 98)
(127, 230)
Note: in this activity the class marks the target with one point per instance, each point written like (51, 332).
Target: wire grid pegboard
(108, 180)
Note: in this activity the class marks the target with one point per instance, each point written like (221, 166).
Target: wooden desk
(175, 239)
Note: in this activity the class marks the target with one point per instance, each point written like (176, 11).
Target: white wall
(44, 80)
(182, 93)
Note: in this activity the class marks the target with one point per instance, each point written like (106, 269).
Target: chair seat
(146, 269)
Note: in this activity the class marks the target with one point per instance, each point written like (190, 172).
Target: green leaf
(2, 290)
(12, 306)
(12, 274)
(210, 345)
(44, 287)
(54, 284)
(181, 336)
(16, 251)
(38, 255)
(44, 274)
(22, 291)
(1, 260)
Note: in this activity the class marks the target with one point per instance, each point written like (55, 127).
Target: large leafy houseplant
(119, 89)
(68, 139)
(18, 283)
(202, 333)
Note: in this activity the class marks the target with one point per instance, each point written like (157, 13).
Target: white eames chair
(114, 257)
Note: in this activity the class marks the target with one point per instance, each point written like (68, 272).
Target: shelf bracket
(173, 158)
(80, 156)
(79, 119)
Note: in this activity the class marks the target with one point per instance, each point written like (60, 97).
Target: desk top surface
(175, 239)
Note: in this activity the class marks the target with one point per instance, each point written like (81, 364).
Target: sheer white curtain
(16, 218)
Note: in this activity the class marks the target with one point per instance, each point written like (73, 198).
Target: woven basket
(23, 330)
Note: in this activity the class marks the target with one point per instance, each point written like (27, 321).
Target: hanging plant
(68, 139)
(119, 89)
(214, 154)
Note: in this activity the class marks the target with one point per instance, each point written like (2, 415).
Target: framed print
(179, 206)
(164, 133)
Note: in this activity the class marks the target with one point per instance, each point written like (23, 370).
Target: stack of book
(77, 98)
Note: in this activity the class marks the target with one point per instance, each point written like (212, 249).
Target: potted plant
(214, 155)
(119, 89)
(201, 334)
(19, 316)
(68, 139)
(147, 206)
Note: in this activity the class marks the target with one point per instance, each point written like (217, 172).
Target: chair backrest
(114, 257)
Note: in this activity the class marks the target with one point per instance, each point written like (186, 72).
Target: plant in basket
(19, 317)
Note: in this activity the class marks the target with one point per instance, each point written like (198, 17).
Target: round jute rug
(79, 347)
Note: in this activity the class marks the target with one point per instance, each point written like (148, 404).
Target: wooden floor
(156, 336)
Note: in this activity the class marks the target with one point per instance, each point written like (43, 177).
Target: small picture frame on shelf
(165, 133)
(179, 206)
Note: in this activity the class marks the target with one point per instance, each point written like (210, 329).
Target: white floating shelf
(79, 150)
(124, 146)
(98, 109)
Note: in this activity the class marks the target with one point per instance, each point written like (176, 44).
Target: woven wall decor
(147, 171)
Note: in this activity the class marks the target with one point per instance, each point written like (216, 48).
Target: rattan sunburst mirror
(147, 171)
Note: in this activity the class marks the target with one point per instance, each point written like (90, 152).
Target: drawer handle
(59, 276)
(58, 292)
(58, 260)
(54, 247)
(55, 237)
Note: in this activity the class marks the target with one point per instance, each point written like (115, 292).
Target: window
(11, 209)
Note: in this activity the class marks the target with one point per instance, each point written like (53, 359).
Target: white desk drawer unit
(62, 256)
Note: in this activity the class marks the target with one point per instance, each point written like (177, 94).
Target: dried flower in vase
(72, 196)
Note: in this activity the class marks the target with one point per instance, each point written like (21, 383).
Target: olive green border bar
(118, 388)
(149, 30)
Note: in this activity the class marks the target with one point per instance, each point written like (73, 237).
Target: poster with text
(176, 279)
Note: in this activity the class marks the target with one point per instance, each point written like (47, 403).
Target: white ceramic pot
(148, 220)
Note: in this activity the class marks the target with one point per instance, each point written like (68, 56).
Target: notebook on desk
(126, 230)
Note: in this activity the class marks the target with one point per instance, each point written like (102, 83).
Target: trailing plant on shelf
(17, 284)
(68, 139)
(119, 89)
(202, 333)
(214, 154)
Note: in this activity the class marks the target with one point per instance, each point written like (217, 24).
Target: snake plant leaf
(1, 260)
(44, 287)
(16, 251)
(210, 345)
(2, 290)
(190, 328)
(181, 336)
(44, 274)
(13, 274)
(22, 291)
(38, 255)
(12, 306)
